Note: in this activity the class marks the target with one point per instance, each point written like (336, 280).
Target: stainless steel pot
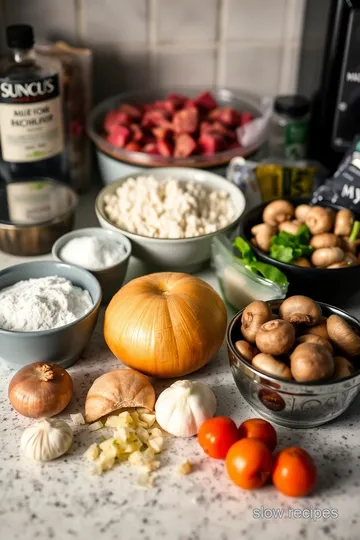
(291, 404)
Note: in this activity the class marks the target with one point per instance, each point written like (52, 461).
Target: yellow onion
(40, 390)
(165, 324)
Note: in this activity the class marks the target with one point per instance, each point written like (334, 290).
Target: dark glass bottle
(31, 116)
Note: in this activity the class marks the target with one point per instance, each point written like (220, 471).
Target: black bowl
(334, 285)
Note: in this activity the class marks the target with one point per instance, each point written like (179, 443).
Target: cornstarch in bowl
(92, 252)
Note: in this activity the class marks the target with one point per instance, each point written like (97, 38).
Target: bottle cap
(20, 36)
(295, 106)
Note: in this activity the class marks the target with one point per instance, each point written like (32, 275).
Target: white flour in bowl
(42, 304)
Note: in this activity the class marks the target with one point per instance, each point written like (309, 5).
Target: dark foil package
(344, 187)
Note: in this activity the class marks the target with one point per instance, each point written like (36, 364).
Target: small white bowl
(111, 278)
(181, 254)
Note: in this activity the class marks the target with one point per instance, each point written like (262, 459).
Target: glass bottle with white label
(31, 115)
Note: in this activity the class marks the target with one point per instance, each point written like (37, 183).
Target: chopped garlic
(96, 425)
(135, 439)
(156, 444)
(145, 479)
(77, 419)
(149, 419)
(92, 452)
(184, 468)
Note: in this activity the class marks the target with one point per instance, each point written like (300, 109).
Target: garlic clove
(184, 406)
(46, 439)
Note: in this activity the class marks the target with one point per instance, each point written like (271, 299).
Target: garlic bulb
(46, 439)
(184, 406)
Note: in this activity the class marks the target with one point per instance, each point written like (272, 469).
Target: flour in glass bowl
(42, 304)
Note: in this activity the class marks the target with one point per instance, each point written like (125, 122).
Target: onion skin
(40, 390)
(166, 324)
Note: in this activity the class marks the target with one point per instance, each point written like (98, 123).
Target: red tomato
(217, 435)
(249, 463)
(256, 428)
(294, 472)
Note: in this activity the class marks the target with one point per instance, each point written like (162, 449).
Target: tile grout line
(79, 8)
(152, 37)
(219, 38)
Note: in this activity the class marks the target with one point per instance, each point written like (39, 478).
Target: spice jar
(289, 127)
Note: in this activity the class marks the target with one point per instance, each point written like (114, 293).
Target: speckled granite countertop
(60, 500)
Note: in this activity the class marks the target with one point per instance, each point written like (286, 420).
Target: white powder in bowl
(42, 304)
(92, 252)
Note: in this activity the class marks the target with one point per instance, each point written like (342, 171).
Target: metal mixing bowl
(22, 236)
(291, 404)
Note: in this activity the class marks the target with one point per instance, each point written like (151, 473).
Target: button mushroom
(246, 350)
(263, 233)
(254, 315)
(301, 212)
(311, 362)
(325, 257)
(290, 227)
(300, 310)
(269, 364)
(313, 338)
(349, 260)
(343, 336)
(302, 261)
(319, 329)
(343, 367)
(278, 211)
(319, 220)
(275, 337)
(343, 222)
(324, 240)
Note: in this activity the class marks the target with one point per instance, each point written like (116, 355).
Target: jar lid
(20, 36)
(295, 105)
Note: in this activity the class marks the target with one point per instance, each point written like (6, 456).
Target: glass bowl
(239, 100)
(289, 403)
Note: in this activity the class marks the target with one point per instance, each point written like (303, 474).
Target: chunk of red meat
(115, 118)
(131, 110)
(165, 148)
(151, 148)
(178, 100)
(218, 127)
(133, 146)
(210, 143)
(162, 132)
(155, 118)
(206, 101)
(137, 133)
(186, 120)
(245, 118)
(225, 115)
(205, 127)
(185, 145)
(119, 136)
(165, 105)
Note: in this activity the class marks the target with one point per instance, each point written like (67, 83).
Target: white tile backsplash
(184, 68)
(252, 67)
(254, 20)
(249, 44)
(186, 21)
(115, 21)
(51, 19)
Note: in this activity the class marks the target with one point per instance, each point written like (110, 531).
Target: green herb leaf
(354, 231)
(245, 249)
(286, 247)
(282, 253)
(270, 272)
(249, 259)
